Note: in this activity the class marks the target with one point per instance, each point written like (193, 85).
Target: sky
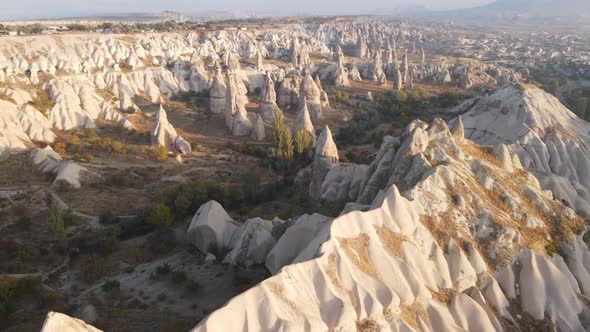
(39, 9)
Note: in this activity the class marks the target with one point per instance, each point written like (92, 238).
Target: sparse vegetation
(160, 152)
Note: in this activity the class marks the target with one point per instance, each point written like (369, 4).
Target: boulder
(211, 229)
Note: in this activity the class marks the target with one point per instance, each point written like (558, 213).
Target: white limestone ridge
(56, 321)
(164, 134)
(452, 251)
(550, 140)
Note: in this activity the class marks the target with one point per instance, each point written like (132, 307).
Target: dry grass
(277, 290)
(356, 250)
(480, 152)
(443, 295)
(366, 325)
(410, 314)
(392, 242)
(42, 103)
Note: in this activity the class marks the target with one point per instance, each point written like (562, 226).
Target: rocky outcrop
(258, 131)
(164, 134)
(64, 172)
(56, 321)
(549, 140)
(268, 97)
(310, 95)
(303, 120)
(217, 93)
(236, 116)
(211, 229)
(434, 237)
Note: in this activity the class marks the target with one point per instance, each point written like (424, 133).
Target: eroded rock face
(236, 116)
(268, 97)
(68, 172)
(56, 321)
(258, 131)
(421, 243)
(211, 229)
(164, 134)
(310, 95)
(217, 93)
(549, 140)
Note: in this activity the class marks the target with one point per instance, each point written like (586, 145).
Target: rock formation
(217, 93)
(164, 134)
(268, 97)
(310, 95)
(258, 129)
(236, 116)
(303, 120)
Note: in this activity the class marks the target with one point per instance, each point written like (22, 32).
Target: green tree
(57, 221)
(303, 141)
(161, 216)
(282, 140)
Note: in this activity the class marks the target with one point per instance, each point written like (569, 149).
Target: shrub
(24, 223)
(160, 152)
(179, 277)
(400, 96)
(161, 241)
(90, 133)
(92, 267)
(57, 222)
(110, 286)
(161, 216)
(163, 269)
(283, 145)
(341, 97)
(192, 286)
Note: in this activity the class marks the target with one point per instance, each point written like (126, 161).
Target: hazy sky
(28, 9)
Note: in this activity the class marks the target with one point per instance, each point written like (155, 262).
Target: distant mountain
(166, 15)
(537, 8)
(562, 12)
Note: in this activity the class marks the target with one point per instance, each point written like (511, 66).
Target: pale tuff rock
(405, 68)
(378, 74)
(211, 229)
(310, 95)
(164, 134)
(68, 172)
(546, 138)
(217, 93)
(299, 54)
(391, 250)
(397, 80)
(325, 158)
(268, 97)
(325, 146)
(288, 95)
(303, 120)
(12, 133)
(236, 116)
(56, 321)
(290, 248)
(341, 76)
(35, 125)
(352, 247)
(251, 243)
(355, 75)
(258, 133)
(325, 102)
